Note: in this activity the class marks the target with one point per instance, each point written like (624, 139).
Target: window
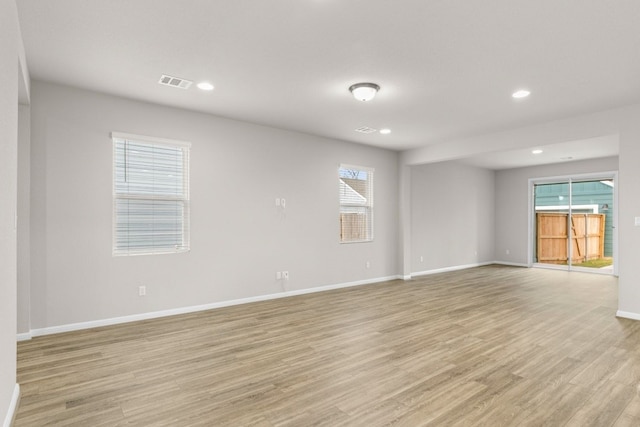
(150, 195)
(356, 204)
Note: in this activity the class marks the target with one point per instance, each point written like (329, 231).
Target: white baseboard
(628, 315)
(453, 268)
(183, 310)
(13, 407)
(24, 336)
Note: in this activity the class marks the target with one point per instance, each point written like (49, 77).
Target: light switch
(637, 223)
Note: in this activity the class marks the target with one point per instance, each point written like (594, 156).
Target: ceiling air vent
(366, 129)
(175, 82)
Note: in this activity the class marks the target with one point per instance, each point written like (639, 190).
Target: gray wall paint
(512, 204)
(452, 216)
(24, 218)
(9, 81)
(239, 239)
(629, 208)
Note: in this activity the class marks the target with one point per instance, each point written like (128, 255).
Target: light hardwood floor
(487, 346)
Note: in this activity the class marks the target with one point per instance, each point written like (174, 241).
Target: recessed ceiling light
(385, 131)
(205, 86)
(522, 93)
(364, 91)
(538, 151)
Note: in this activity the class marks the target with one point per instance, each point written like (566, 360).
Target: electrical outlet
(285, 275)
(368, 264)
(507, 252)
(142, 291)
(421, 258)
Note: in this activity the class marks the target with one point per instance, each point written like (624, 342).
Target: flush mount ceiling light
(538, 151)
(522, 93)
(364, 91)
(385, 131)
(205, 86)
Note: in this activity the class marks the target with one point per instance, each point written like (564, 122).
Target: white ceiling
(604, 146)
(446, 68)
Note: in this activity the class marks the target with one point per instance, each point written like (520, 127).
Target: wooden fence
(353, 227)
(587, 235)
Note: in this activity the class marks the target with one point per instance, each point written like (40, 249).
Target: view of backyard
(574, 223)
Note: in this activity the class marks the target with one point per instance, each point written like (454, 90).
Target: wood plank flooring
(489, 346)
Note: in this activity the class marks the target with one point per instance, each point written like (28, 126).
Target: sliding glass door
(551, 203)
(574, 224)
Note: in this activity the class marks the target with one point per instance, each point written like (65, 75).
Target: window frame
(185, 198)
(369, 206)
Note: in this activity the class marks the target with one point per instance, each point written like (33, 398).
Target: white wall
(10, 75)
(452, 216)
(512, 203)
(24, 214)
(238, 237)
(629, 209)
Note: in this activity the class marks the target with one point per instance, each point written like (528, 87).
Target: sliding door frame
(570, 179)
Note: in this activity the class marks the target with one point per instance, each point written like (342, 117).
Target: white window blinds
(150, 195)
(356, 203)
